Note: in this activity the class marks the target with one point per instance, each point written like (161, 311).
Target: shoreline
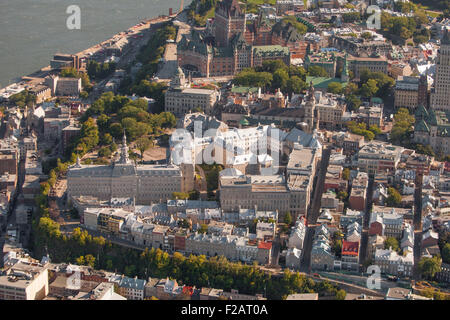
(143, 25)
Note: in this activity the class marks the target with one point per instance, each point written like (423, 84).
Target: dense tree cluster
(22, 99)
(201, 10)
(362, 130)
(403, 127)
(394, 197)
(274, 75)
(428, 267)
(292, 21)
(406, 27)
(150, 56)
(118, 113)
(392, 243)
(375, 84)
(100, 71)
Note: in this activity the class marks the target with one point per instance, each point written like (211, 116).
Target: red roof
(265, 245)
(350, 248)
(188, 290)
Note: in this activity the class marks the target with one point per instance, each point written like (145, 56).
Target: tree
(90, 260)
(295, 85)
(180, 195)
(317, 71)
(391, 242)
(143, 144)
(342, 195)
(104, 152)
(446, 253)
(369, 88)
(346, 174)
(203, 228)
(394, 198)
(341, 294)
(428, 267)
(280, 79)
(288, 218)
(335, 87)
(403, 126)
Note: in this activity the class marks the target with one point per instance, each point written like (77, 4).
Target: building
(233, 46)
(358, 195)
(41, 93)
(303, 296)
(130, 288)
(392, 263)
(360, 47)
(379, 157)
(289, 5)
(61, 61)
(181, 99)
(123, 179)
(350, 255)
(229, 21)
(358, 64)
(439, 94)
(23, 280)
(386, 224)
(322, 257)
(8, 161)
(432, 128)
(409, 92)
(268, 193)
(63, 86)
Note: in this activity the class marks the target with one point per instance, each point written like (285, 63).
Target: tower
(229, 20)
(310, 115)
(124, 159)
(179, 80)
(440, 94)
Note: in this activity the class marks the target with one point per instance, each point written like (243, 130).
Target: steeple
(124, 150)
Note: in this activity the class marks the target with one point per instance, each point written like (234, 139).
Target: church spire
(124, 150)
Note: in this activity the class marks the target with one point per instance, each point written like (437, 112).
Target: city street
(314, 210)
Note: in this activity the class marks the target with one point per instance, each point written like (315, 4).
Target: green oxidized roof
(422, 126)
(274, 50)
(244, 122)
(243, 90)
(425, 119)
(323, 82)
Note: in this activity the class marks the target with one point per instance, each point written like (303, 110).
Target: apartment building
(23, 280)
(378, 157)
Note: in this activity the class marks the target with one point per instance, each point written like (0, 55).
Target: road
(417, 225)
(170, 64)
(22, 230)
(365, 233)
(314, 210)
(361, 280)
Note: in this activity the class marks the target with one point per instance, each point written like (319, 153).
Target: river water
(31, 31)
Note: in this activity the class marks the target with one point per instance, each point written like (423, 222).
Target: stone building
(123, 179)
(180, 98)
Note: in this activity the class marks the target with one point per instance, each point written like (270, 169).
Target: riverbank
(32, 32)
